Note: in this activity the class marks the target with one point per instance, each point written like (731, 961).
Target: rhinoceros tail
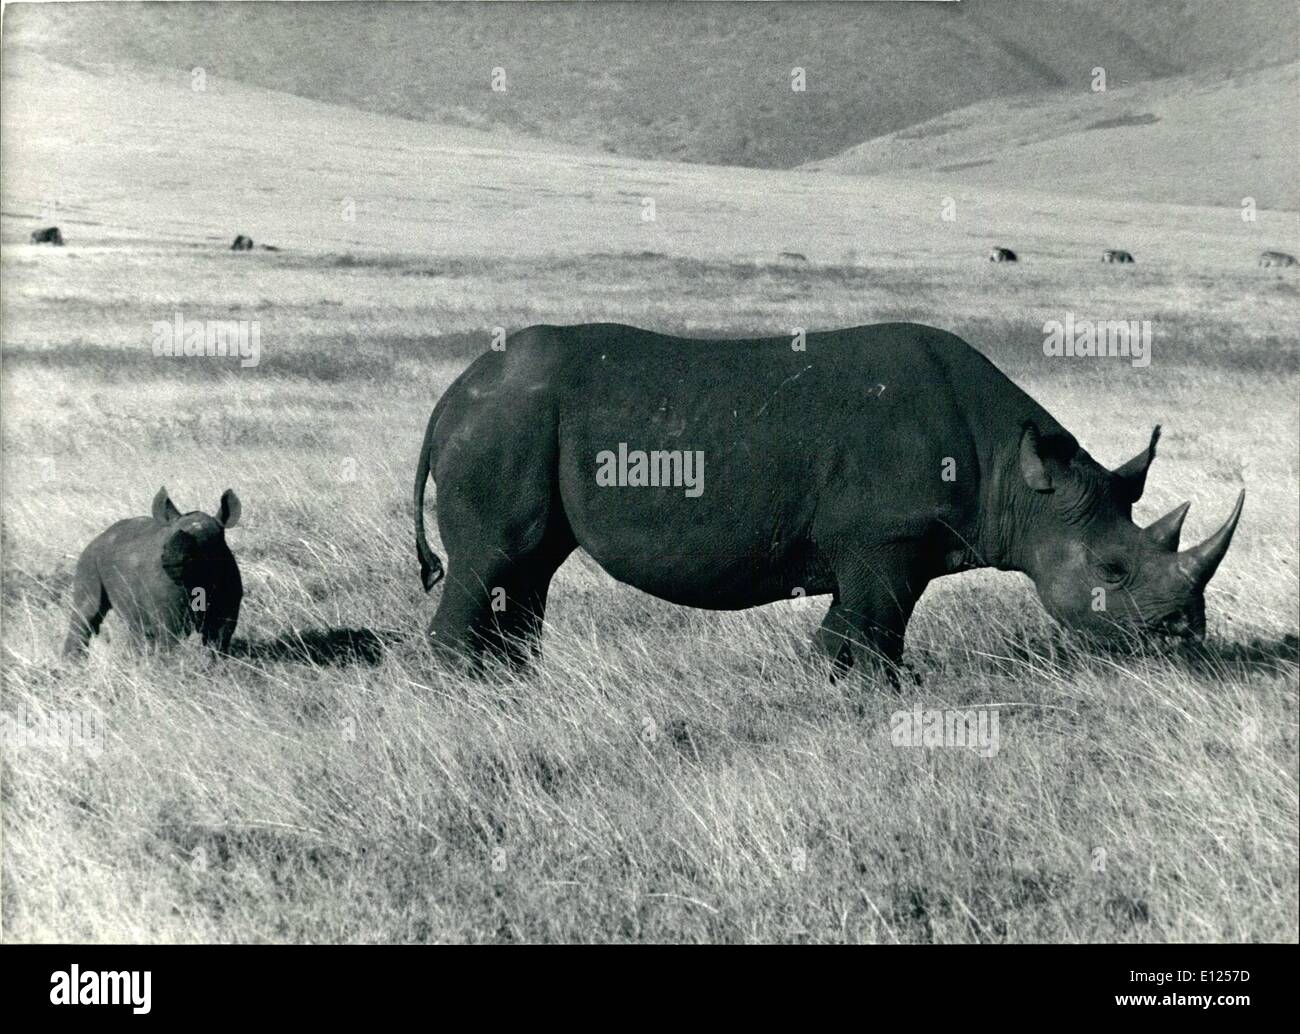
(431, 569)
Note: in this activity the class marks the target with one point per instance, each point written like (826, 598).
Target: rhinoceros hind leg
(514, 632)
(494, 609)
(494, 599)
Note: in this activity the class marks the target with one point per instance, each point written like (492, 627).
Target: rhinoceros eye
(1113, 570)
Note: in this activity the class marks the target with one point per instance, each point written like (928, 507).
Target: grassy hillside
(695, 82)
(1205, 139)
(112, 156)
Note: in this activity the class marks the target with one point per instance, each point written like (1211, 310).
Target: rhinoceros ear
(229, 511)
(1131, 478)
(163, 509)
(1033, 464)
(1045, 458)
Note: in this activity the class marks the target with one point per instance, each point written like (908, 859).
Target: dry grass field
(665, 773)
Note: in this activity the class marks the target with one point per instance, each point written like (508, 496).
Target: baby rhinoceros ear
(163, 508)
(228, 512)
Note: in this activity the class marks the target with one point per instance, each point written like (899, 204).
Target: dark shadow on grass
(319, 646)
(1215, 658)
(1258, 657)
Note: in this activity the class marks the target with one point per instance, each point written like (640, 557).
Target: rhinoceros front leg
(867, 620)
(832, 639)
(849, 637)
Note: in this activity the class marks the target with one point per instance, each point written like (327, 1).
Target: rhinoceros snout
(1185, 627)
(1187, 624)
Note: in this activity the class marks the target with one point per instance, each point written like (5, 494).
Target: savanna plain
(664, 774)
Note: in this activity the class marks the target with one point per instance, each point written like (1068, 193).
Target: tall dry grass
(665, 774)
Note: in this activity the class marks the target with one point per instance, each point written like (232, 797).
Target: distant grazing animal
(1116, 256)
(1002, 255)
(729, 474)
(49, 235)
(168, 575)
(792, 256)
(242, 243)
(1276, 258)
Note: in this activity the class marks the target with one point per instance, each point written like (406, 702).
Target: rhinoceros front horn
(1199, 563)
(1166, 531)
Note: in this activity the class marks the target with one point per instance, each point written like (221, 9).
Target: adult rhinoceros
(859, 463)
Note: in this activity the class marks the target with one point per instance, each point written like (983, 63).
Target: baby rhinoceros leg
(217, 622)
(89, 606)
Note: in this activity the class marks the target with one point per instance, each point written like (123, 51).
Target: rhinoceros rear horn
(1166, 531)
(1131, 478)
(1199, 563)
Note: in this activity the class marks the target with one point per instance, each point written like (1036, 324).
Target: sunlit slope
(1209, 139)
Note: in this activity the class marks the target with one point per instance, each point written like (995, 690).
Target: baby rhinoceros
(167, 575)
